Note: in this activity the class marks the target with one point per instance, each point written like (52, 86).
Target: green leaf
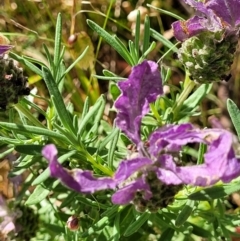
(27, 129)
(24, 61)
(57, 99)
(167, 234)
(156, 35)
(166, 12)
(116, 228)
(185, 213)
(137, 35)
(94, 228)
(38, 195)
(135, 226)
(113, 41)
(234, 113)
(29, 149)
(193, 100)
(99, 105)
(58, 37)
(215, 192)
(46, 173)
(114, 136)
(76, 61)
(146, 36)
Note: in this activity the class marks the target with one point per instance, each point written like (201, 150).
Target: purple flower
(213, 16)
(209, 39)
(142, 87)
(152, 178)
(7, 219)
(4, 48)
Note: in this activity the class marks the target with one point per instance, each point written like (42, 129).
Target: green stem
(98, 166)
(188, 87)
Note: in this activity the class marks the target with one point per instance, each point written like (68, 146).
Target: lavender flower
(5, 48)
(152, 178)
(209, 39)
(7, 219)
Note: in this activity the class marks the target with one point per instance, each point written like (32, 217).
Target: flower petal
(90, 184)
(142, 87)
(172, 137)
(220, 163)
(126, 194)
(77, 179)
(5, 48)
(128, 167)
(50, 153)
(211, 16)
(227, 10)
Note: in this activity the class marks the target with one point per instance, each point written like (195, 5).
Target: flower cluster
(151, 179)
(209, 39)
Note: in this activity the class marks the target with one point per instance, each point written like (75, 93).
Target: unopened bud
(73, 223)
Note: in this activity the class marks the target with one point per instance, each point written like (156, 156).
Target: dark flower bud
(73, 223)
(12, 82)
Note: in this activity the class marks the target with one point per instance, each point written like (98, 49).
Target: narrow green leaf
(33, 105)
(135, 226)
(132, 49)
(108, 78)
(97, 226)
(194, 99)
(31, 66)
(156, 35)
(57, 99)
(27, 129)
(92, 112)
(120, 48)
(46, 173)
(166, 12)
(38, 195)
(58, 37)
(234, 113)
(91, 203)
(76, 61)
(116, 229)
(167, 235)
(115, 136)
(10, 141)
(110, 137)
(29, 149)
(137, 36)
(49, 57)
(85, 108)
(185, 213)
(215, 192)
(146, 36)
(145, 54)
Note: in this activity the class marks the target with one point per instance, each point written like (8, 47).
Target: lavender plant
(152, 174)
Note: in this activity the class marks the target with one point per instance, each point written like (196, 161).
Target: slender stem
(188, 87)
(98, 166)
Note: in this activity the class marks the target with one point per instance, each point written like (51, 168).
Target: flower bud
(73, 223)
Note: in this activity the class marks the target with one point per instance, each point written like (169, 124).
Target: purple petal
(214, 16)
(142, 87)
(50, 153)
(227, 10)
(128, 167)
(90, 184)
(172, 137)
(220, 163)
(78, 180)
(126, 194)
(5, 48)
